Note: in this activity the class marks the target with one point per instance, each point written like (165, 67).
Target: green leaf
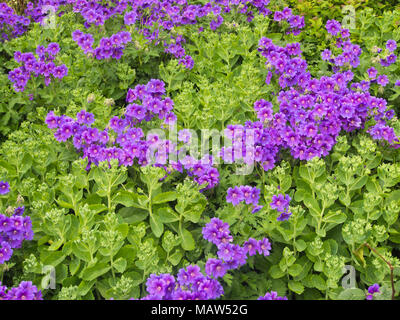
(123, 229)
(120, 264)
(276, 272)
(300, 245)
(26, 163)
(359, 183)
(176, 257)
(274, 36)
(130, 199)
(295, 270)
(56, 245)
(133, 214)
(81, 252)
(187, 240)
(313, 205)
(164, 197)
(335, 217)
(64, 204)
(393, 196)
(135, 276)
(318, 282)
(357, 207)
(296, 286)
(286, 183)
(351, 294)
(52, 258)
(305, 174)
(345, 198)
(95, 271)
(376, 161)
(98, 208)
(85, 286)
(74, 266)
(301, 194)
(167, 215)
(156, 225)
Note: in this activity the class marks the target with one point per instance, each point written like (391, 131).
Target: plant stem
(386, 261)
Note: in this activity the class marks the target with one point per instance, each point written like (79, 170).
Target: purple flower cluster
(191, 283)
(166, 14)
(350, 56)
(4, 187)
(44, 66)
(130, 138)
(248, 194)
(25, 291)
(296, 22)
(109, 47)
(271, 296)
(169, 15)
(312, 112)
(37, 10)
(281, 203)
(11, 24)
(375, 288)
(125, 141)
(232, 255)
(13, 231)
(176, 49)
(98, 12)
(202, 171)
(390, 58)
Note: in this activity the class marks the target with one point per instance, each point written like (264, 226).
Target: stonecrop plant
(199, 150)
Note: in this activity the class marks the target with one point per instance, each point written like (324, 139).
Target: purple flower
(252, 247)
(19, 211)
(280, 202)
(60, 71)
(226, 251)
(130, 18)
(84, 117)
(53, 48)
(193, 272)
(184, 135)
(333, 27)
(326, 54)
(234, 196)
(284, 216)
(256, 208)
(25, 291)
(4, 187)
(247, 192)
(170, 118)
(383, 80)
(155, 286)
(264, 247)
(375, 288)
(391, 45)
(273, 295)
(5, 252)
(215, 268)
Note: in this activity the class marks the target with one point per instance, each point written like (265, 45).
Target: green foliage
(338, 205)
(106, 228)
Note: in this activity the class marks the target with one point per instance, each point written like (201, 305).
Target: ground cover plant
(182, 150)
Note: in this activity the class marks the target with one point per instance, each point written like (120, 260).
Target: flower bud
(109, 102)
(91, 97)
